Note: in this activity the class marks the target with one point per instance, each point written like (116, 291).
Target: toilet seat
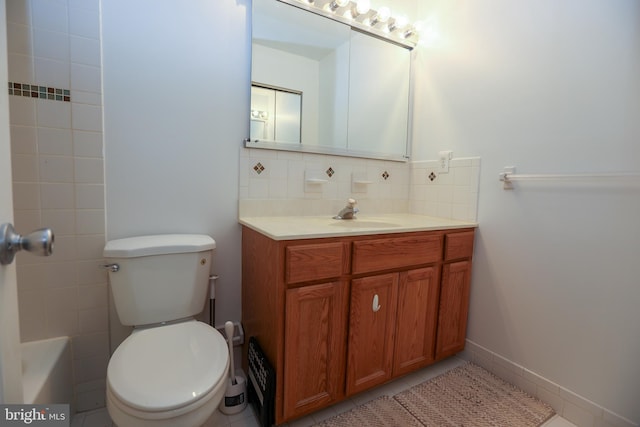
(194, 414)
(167, 368)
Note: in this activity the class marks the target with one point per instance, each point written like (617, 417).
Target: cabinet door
(454, 308)
(371, 331)
(314, 356)
(416, 319)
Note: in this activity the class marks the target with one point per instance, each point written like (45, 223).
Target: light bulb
(383, 14)
(408, 32)
(397, 23)
(401, 21)
(420, 26)
(363, 6)
(428, 32)
(335, 4)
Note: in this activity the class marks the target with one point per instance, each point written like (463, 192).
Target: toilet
(172, 370)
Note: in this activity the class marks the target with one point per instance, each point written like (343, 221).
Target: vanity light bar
(359, 15)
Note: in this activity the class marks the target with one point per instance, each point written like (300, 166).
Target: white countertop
(307, 227)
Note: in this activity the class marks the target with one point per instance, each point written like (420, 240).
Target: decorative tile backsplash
(279, 183)
(316, 184)
(258, 168)
(449, 195)
(40, 92)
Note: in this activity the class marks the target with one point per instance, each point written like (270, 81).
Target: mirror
(353, 89)
(275, 114)
(300, 52)
(379, 95)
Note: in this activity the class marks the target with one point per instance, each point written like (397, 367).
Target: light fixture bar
(361, 17)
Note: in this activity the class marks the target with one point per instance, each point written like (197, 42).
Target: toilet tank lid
(161, 244)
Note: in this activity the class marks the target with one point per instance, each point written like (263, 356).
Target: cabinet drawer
(396, 252)
(458, 245)
(316, 261)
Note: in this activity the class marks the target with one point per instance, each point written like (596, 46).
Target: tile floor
(247, 418)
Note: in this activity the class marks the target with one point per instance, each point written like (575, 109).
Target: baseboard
(571, 406)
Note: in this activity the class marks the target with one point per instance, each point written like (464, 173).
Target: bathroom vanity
(340, 307)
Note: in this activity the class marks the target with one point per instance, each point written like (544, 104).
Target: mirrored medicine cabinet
(322, 86)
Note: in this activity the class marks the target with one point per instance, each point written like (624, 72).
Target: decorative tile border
(40, 92)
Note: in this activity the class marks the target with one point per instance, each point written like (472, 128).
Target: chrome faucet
(349, 211)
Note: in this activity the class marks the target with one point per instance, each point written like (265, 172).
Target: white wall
(544, 85)
(176, 84)
(550, 87)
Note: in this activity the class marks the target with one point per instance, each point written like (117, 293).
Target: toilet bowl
(172, 375)
(172, 370)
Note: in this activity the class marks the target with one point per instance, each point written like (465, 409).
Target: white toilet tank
(160, 278)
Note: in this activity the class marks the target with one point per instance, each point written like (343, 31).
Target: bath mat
(381, 412)
(471, 396)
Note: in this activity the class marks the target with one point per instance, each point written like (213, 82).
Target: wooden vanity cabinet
(295, 300)
(398, 337)
(315, 330)
(416, 319)
(336, 316)
(372, 329)
(454, 294)
(393, 315)
(315, 325)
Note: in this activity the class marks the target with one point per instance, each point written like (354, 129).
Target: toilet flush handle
(114, 268)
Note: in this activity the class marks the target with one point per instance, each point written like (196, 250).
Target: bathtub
(46, 371)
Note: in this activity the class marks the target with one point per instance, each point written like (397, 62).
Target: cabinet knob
(375, 306)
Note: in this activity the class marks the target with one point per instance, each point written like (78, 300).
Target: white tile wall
(280, 188)
(450, 195)
(58, 182)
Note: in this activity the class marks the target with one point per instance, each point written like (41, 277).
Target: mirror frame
(346, 152)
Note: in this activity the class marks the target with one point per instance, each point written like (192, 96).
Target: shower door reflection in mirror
(276, 114)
